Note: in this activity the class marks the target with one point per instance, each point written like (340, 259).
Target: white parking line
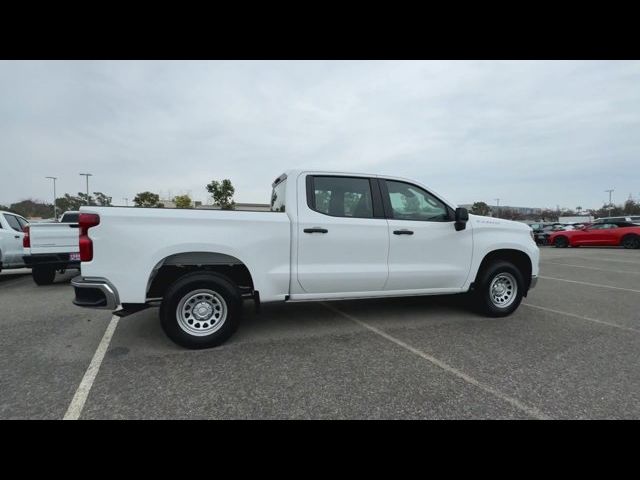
(590, 284)
(532, 411)
(80, 397)
(582, 317)
(590, 268)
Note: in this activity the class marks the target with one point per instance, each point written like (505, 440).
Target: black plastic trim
(130, 308)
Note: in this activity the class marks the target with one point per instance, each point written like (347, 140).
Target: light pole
(497, 206)
(87, 175)
(55, 209)
(610, 192)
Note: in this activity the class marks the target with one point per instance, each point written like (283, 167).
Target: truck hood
(479, 221)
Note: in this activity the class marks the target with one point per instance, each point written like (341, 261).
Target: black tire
(482, 293)
(43, 275)
(561, 242)
(631, 241)
(181, 289)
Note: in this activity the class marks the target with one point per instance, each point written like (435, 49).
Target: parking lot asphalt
(569, 352)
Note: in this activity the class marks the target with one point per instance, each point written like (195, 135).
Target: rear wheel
(631, 241)
(201, 310)
(499, 289)
(43, 275)
(561, 242)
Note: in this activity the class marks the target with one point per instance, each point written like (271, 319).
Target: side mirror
(462, 217)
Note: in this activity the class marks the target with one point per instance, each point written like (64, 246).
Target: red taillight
(26, 240)
(86, 221)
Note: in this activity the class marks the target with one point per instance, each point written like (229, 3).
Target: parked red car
(599, 234)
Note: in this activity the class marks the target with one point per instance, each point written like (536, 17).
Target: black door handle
(315, 230)
(402, 232)
(16, 236)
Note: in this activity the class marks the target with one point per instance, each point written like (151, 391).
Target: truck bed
(130, 244)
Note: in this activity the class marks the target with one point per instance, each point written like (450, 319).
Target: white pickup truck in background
(51, 247)
(11, 232)
(329, 236)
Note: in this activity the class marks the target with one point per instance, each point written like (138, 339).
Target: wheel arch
(172, 267)
(520, 259)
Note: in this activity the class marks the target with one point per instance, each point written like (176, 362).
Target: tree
(86, 199)
(69, 202)
(480, 208)
(32, 208)
(616, 211)
(182, 201)
(222, 193)
(102, 199)
(631, 207)
(323, 199)
(548, 215)
(147, 199)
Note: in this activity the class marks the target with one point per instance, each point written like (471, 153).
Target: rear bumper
(95, 293)
(58, 260)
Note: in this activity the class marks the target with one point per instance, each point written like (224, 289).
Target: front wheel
(43, 275)
(201, 310)
(499, 289)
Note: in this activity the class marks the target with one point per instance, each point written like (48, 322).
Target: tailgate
(54, 238)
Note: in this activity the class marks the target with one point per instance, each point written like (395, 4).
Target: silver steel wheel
(503, 290)
(201, 312)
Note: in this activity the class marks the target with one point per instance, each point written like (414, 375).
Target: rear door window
(342, 196)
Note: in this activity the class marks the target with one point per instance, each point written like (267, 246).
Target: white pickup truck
(328, 236)
(11, 232)
(51, 247)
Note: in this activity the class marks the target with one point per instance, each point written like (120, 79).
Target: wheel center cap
(202, 310)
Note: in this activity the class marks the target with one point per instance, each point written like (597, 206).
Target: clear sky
(532, 133)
